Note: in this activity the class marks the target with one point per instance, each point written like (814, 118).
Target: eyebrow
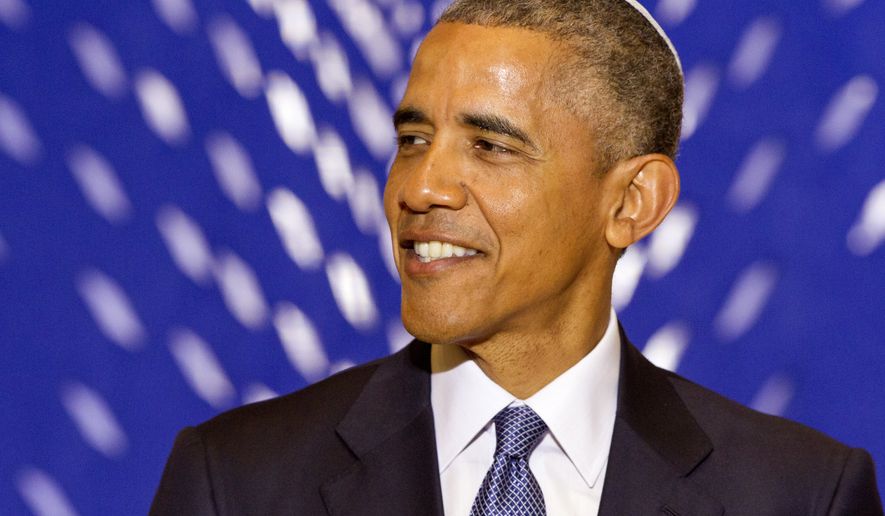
(484, 121)
(498, 125)
(409, 115)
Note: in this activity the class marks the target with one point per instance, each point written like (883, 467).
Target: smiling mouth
(436, 250)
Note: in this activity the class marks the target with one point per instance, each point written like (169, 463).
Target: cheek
(506, 201)
(546, 220)
(518, 198)
(524, 220)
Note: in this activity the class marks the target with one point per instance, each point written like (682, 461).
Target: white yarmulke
(654, 23)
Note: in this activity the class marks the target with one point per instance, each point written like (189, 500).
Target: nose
(432, 181)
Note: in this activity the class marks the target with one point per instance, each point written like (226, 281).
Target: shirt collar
(578, 406)
(464, 401)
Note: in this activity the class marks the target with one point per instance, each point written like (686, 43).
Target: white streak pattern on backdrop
(192, 219)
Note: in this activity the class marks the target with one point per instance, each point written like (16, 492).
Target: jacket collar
(657, 444)
(389, 429)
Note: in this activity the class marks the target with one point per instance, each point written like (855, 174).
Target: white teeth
(435, 250)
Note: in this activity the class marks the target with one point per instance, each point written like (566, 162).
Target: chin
(438, 325)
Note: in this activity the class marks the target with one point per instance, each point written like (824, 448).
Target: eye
(487, 146)
(407, 140)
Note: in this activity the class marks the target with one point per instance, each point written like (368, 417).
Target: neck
(523, 363)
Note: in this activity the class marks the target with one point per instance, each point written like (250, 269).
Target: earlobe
(646, 189)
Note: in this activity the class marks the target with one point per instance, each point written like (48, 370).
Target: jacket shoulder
(760, 455)
(730, 424)
(269, 457)
(317, 407)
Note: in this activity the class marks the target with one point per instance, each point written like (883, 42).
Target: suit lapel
(656, 445)
(390, 431)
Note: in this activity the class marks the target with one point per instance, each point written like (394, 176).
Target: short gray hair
(627, 79)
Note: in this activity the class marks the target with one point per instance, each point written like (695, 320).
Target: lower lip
(415, 267)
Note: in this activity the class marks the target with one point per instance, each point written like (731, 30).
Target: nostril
(412, 208)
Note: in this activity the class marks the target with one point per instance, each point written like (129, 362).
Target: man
(536, 143)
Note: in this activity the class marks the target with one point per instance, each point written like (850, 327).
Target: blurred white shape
(256, 392)
(296, 229)
(341, 365)
(98, 60)
(14, 13)
(365, 203)
(297, 24)
(674, 12)
(774, 396)
(201, 368)
(300, 342)
(754, 51)
(41, 493)
(385, 247)
(666, 346)
(840, 7)
(99, 184)
(263, 8)
(161, 107)
(868, 232)
(397, 336)
(331, 68)
(350, 287)
(746, 300)
(413, 48)
(94, 419)
(669, 241)
(17, 137)
(235, 56)
(628, 271)
(756, 174)
(186, 243)
(290, 112)
(398, 88)
(701, 83)
(333, 164)
(846, 112)
(240, 290)
(233, 170)
(365, 24)
(178, 15)
(111, 309)
(408, 17)
(371, 120)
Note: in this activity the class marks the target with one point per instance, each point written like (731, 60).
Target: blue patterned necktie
(509, 488)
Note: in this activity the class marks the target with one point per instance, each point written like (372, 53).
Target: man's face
(489, 163)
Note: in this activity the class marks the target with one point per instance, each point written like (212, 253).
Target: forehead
(476, 45)
(482, 67)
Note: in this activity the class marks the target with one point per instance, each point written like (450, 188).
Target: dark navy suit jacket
(362, 443)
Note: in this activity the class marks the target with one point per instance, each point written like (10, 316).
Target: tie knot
(518, 430)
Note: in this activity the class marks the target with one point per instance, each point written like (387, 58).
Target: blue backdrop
(191, 220)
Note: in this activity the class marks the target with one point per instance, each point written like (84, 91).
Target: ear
(644, 189)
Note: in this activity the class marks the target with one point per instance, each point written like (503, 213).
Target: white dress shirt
(578, 407)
